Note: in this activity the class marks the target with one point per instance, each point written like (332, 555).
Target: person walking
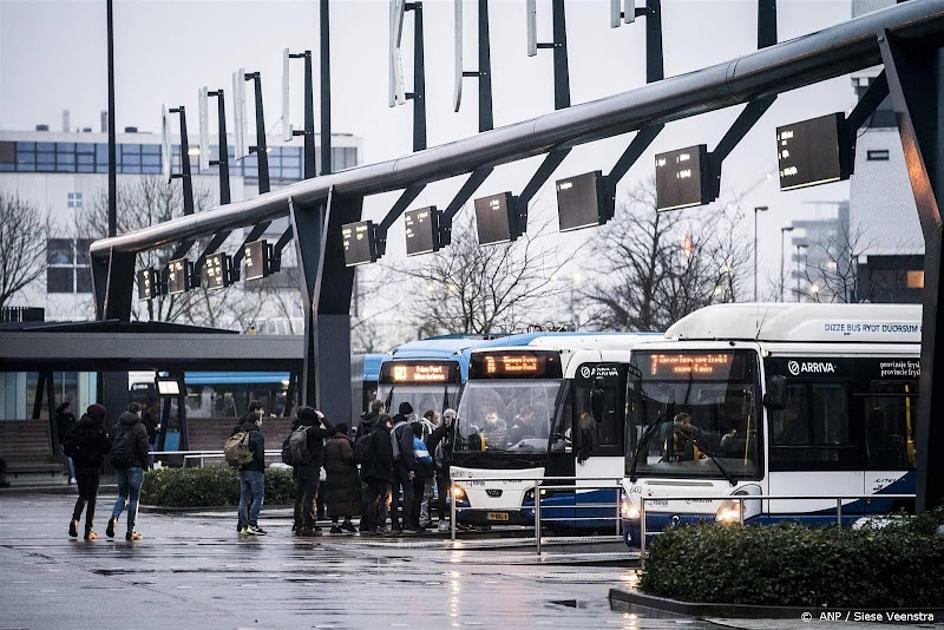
(306, 453)
(65, 420)
(252, 474)
(129, 456)
(439, 445)
(401, 441)
(343, 485)
(87, 444)
(378, 474)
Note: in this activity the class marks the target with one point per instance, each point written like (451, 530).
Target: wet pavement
(194, 571)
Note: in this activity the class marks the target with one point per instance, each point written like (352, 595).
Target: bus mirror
(597, 396)
(775, 398)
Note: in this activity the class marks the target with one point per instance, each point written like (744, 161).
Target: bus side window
(890, 420)
(812, 431)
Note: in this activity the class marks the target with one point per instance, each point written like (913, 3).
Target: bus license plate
(497, 516)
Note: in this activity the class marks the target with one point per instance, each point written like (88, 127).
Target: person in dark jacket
(129, 457)
(368, 423)
(343, 496)
(65, 420)
(87, 443)
(378, 474)
(307, 473)
(439, 445)
(252, 474)
(402, 434)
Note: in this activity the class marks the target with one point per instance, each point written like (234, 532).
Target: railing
(741, 498)
(535, 485)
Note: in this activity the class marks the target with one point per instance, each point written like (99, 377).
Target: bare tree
(467, 288)
(833, 276)
(656, 267)
(23, 233)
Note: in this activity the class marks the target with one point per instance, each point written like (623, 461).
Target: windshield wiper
(645, 438)
(717, 462)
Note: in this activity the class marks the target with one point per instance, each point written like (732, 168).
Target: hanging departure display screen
(496, 219)
(147, 284)
(581, 202)
(216, 271)
(682, 178)
(419, 372)
(812, 152)
(515, 364)
(178, 276)
(422, 230)
(359, 243)
(256, 257)
(691, 365)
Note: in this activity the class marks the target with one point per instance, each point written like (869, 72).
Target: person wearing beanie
(401, 439)
(343, 484)
(311, 426)
(129, 457)
(439, 445)
(87, 443)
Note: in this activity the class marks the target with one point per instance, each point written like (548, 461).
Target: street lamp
(783, 232)
(756, 210)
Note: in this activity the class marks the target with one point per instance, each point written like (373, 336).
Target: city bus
(744, 400)
(530, 404)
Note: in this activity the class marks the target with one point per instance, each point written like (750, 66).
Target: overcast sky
(52, 57)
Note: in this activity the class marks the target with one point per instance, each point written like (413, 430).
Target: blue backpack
(420, 453)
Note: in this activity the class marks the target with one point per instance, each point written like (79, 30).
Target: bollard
(452, 511)
(619, 512)
(839, 512)
(741, 511)
(537, 515)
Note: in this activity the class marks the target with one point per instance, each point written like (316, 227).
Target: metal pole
(419, 80)
(839, 511)
(642, 532)
(223, 161)
(325, 62)
(798, 272)
(561, 69)
(619, 513)
(185, 160)
(452, 511)
(655, 70)
(537, 515)
(486, 120)
(261, 151)
(112, 140)
(755, 254)
(310, 170)
(741, 511)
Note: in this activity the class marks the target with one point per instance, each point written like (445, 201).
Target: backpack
(237, 451)
(72, 443)
(395, 440)
(297, 447)
(422, 461)
(121, 456)
(363, 449)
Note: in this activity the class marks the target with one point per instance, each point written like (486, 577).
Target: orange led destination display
(683, 365)
(526, 364)
(419, 372)
(515, 365)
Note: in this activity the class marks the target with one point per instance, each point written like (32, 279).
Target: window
(890, 414)
(877, 155)
(915, 280)
(69, 269)
(812, 431)
(74, 200)
(7, 152)
(599, 405)
(60, 280)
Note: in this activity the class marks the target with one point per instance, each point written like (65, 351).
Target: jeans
(402, 481)
(87, 480)
(378, 496)
(251, 494)
(306, 495)
(129, 487)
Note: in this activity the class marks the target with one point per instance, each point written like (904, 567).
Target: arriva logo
(586, 371)
(810, 367)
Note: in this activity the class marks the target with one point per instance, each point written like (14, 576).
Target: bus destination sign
(419, 372)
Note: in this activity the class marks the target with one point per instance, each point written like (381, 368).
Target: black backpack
(121, 456)
(364, 449)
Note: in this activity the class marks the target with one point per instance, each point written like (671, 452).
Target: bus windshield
(421, 397)
(694, 414)
(506, 416)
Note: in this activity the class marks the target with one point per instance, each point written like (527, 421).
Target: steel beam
(792, 64)
(324, 60)
(915, 75)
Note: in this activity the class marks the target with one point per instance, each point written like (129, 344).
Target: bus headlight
(458, 492)
(629, 510)
(729, 513)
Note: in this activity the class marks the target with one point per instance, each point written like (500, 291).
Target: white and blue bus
(543, 405)
(773, 399)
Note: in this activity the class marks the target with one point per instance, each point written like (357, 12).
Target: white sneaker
(444, 527)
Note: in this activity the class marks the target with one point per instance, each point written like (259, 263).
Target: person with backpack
(303, 450)
(87, 443)
(440, 447)
(245, 450)
(65, 420)
(343, 485)
(129, 456)
(423, 473)
(429, 422)
(377, 472)
(401, 441)
(369, 422)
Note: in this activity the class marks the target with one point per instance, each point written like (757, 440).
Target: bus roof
(802, 322)
(442, 348)
(568, 341)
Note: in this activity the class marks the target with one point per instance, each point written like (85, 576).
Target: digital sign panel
(581, 201)
(256, 260)
(359, 245)
(216, 271)
(692, 365)
(148, 283)
(178, 276)
(515, 364)
(419, 372)
(682, 178)
(813, 152)
(422, 230)
(496, 219)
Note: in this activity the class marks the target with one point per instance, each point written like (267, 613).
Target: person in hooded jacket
(343, 485)
(439, 445)
(87, 443)
(378, 474)
(368, 423)
(401, 441)
(129, 457)
(308, 473)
